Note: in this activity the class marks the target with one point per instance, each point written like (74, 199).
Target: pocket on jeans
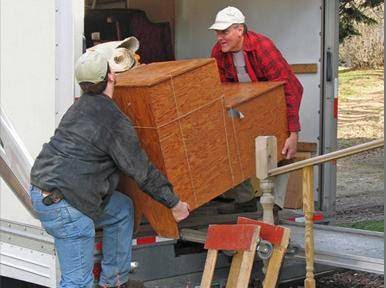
(53, 223)
(44, 212)
(36, 198)
(48, 215)
(65, 222)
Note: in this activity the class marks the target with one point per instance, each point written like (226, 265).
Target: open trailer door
(304, 31)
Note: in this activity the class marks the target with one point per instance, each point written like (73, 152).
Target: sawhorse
(243, 238)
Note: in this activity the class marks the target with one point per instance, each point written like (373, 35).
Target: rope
(238, 149)
(179, 117)
(227, 142)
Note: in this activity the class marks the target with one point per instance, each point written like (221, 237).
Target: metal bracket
(234, 113)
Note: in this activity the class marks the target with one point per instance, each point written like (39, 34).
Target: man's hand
(180, 211)
(290, 146)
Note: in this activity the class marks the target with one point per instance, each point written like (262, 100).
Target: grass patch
(357, 83)
(370, 225)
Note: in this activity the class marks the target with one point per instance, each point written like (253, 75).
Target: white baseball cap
(91, 67)
(226, 17)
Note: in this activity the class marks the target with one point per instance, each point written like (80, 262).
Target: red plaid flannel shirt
(264, 62)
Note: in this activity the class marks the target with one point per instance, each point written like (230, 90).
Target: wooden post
(278, 236)
(243, 239)
(275, 262)
(267, 200)
(308, 208)
(210, 264)
(266, 159)
(241, 267)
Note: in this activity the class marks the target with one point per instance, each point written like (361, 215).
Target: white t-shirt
(239, 62)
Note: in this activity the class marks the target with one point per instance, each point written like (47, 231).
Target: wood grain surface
(180, 112)
(154, 73)
(264, 114)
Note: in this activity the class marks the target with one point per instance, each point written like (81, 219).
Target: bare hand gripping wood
(198, 132)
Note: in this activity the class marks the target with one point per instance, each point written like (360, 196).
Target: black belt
(51, 197)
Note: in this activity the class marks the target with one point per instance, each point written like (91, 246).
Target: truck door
(300, 30)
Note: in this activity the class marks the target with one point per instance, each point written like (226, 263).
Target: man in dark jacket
(246, 56)
(74, 180)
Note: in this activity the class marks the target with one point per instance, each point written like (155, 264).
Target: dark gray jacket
(94, 142)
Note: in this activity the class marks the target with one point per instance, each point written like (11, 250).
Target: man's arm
(290, 146)
(276, 68)
(130, 158)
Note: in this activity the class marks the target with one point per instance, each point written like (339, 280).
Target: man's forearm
(159, 188)
(293, 135)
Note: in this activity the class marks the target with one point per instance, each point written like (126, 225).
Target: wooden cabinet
(190, 126)
(254, 109)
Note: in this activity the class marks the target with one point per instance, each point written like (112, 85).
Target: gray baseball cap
(91, 67)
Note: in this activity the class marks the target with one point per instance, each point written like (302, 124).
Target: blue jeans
(74, 235)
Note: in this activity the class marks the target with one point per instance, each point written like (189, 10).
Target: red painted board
(231, 237)
(268, 232)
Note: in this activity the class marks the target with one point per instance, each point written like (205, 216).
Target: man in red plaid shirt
(246, 56)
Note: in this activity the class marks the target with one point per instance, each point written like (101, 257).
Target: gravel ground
(360, 179)
(360, 188)
(351, 279)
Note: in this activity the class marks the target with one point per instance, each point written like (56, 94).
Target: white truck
(40, 42)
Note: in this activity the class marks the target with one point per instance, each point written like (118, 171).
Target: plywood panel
(234, 154)
(180, 112)
(238, 93)
(176, 163)
(164, 100)
(134, 103)
(206, 144)
(121, 98)
(197, 88)
(155, 73)
(150, 143)
(263, 112)
(163, 103)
